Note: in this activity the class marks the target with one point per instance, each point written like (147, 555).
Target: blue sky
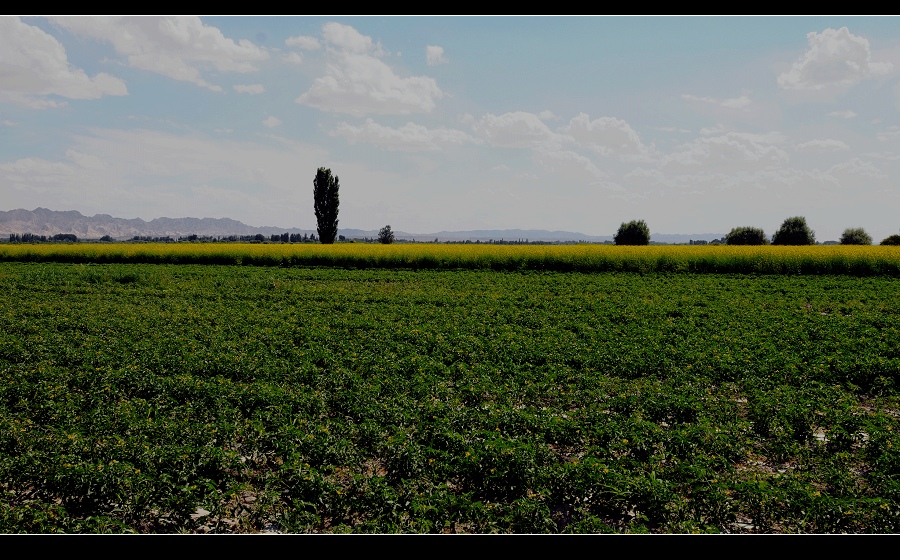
(694, 124)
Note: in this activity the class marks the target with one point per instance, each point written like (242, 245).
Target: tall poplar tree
(325, 195)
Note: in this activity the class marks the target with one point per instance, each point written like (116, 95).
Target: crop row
(156, 398)
(849, 260)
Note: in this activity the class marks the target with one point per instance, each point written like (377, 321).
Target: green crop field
(211, 398)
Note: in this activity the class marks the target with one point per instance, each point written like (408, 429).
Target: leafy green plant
(204, 398)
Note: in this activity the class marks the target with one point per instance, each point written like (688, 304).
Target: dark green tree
(325, 197)
(891, 240)
(746, 236)
(855, 236)
(634, 232)
(385, 235)
(794, 231)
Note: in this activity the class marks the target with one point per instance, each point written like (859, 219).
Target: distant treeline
(275, 238)
(258, 238)
(32, 238)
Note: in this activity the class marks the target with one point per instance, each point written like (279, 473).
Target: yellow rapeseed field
(816, 259)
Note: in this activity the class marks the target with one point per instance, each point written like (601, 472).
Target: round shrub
(855, 236)
(794, 231)
(746, 236)
(634, 232)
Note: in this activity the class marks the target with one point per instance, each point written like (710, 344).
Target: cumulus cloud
(729, 152)
(271, 122)
(33, 64)
(358, 82)
(741, 102)
(644, 174)
(605, 135)
(435, 55)
(37, 170)
(516, 129)
(293, 58)
(252, 89)
(892, 133)
(858, 167)
(149, 173)
(547, 116)
(848, 114)
(827, 145)
(304, 42)
(410, 137)
(555, 159)
(175, 47)
(349, 39)
(834, 57)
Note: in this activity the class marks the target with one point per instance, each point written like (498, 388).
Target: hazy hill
(42, 221)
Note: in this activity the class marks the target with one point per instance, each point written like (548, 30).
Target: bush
(634, 232)
(746, 236)
(385, 235)
(855, 236)
(794, 231)
(892, 240)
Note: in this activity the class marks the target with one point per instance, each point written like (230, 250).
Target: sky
(693, 124)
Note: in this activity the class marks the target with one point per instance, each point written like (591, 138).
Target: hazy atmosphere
(696, 125)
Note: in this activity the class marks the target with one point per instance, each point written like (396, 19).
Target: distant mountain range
(42, 221)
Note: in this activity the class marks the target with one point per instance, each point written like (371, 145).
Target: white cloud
(643, 174)
(252, 89)
(827, 145)
(86, 161)
(357, 82)
(8, 122)
(517, 129)
(574, 168)
(554, 158)
(848, 114)
(37, 170)
(773, 137)
(709, 131)
(858, 167)
(547, 116)
(410, 137)
(730, 152)
(304, 42)
(149, 174)
(892, 133)
(605, 135)
(34, 64)
(835, 57)
(175, 47)
(435, 55)
(348, 39)
(741, 102)
(293, 58)
(271, 122)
